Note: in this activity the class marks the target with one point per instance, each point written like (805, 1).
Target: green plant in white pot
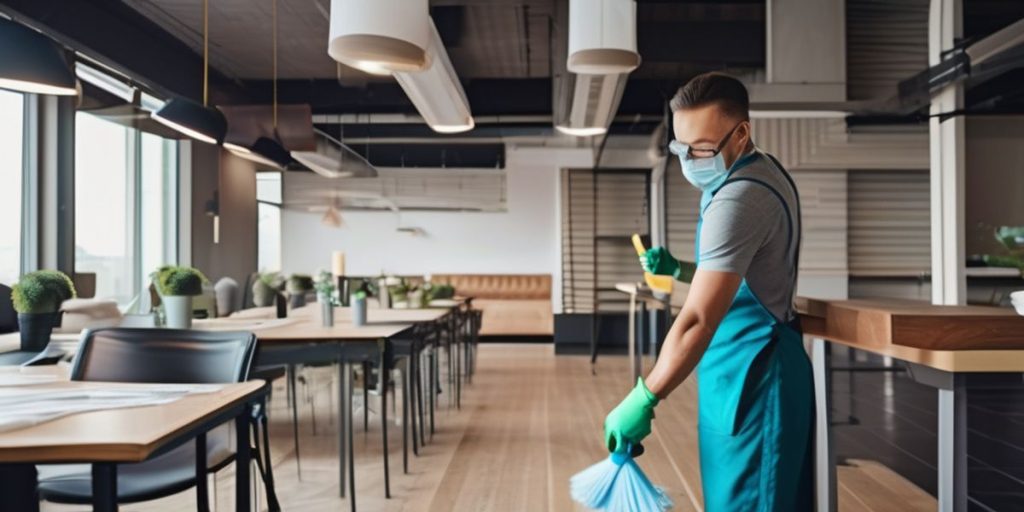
(37, 298)
(325, 297)
(177, 287)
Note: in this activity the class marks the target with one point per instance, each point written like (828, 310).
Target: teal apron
(756, 398)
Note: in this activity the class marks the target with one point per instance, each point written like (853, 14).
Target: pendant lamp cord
(206, 51)
(274, 16)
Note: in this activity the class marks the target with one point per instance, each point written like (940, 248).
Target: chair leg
(295, 418)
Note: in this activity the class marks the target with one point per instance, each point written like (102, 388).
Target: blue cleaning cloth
(617, 484)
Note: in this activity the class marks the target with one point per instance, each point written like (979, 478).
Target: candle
(338, 263)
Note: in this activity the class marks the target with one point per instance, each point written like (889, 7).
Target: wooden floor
(528, 422)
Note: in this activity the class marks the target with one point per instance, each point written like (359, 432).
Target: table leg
(432, 399)
(953, 446)
(343, 415)
(366, 397)
(202, 491)
(243, 460)
(347, 377)
(824, 461)
(404, 373)
(104, 487)
(632, 338)
(384, 374)
(419, 399)
(292, 401)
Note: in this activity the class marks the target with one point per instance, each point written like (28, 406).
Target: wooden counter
(951, 338)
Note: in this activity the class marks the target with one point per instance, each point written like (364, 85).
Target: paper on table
(26, 406)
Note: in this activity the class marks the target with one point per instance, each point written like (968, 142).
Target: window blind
(890, 223)
(600, 212)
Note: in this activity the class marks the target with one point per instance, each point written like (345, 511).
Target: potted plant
(37, 298)
(325, 296)
(297, 287)
(265, 289)
(177, 286)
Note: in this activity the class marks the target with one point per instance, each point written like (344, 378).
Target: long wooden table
(300, 339)
(109, 437)
(941, 345)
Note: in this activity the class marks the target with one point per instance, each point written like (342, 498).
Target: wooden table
(107, 438)
(941, 345)
(302, 339)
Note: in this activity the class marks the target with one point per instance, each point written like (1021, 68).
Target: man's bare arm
(708, 301)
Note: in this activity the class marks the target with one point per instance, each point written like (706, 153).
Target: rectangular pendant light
(436, 91)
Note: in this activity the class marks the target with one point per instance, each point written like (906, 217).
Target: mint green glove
(630, 421)
(657, 260)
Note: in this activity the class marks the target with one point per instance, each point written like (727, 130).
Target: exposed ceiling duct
(602, 37)
(586, 104)
(380, 37)
(436, 91)
(333, 159)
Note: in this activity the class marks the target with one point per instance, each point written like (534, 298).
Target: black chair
(8, 317)
(158, 356)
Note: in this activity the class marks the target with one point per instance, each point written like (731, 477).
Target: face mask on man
(703, 168)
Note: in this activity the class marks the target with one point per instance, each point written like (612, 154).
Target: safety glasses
(678, 148)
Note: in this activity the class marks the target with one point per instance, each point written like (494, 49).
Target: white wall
(522, 240)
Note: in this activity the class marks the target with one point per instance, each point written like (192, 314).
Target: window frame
(171, 187)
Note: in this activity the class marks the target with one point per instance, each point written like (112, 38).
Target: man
(737, 327)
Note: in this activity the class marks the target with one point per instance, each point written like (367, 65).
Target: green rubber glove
(630, 421)
(657, 260)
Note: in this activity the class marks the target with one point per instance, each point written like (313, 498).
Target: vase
(296, 299)
(35, 330)
(178, 311)
(358, 305)
(326, 310)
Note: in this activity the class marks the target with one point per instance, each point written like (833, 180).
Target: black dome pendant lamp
(198, 121)
(267, 150)
(32, 63)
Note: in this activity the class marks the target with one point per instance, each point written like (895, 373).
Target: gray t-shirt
(745, 230)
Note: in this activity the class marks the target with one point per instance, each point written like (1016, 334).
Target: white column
(949, 285)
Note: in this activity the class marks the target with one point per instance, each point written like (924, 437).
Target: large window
(12, 122)
(268, 197)
(125, 205)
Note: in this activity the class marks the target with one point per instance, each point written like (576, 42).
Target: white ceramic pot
(178, 311)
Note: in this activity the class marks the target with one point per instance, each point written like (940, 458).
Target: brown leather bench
(512, 304)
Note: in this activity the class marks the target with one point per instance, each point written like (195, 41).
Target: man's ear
(744, 134)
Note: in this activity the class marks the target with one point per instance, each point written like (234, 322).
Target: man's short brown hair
(714, 88)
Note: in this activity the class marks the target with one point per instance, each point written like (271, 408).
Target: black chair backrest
(8, 316)
(170, 356)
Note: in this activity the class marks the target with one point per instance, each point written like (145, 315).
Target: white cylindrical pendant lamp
(436, 91)
(380, 36)
(602, 37)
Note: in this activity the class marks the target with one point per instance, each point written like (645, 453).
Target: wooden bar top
(118, 435)
(952, 338)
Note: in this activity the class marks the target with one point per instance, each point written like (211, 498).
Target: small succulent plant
(42, 291)
(179, 281)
